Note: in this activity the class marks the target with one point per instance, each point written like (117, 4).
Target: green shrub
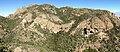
(90, 50)
(13, 23)
(114, 30)
(3, 48)
(63, 42)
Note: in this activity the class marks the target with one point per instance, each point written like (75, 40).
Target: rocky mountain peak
(32, 5)
(48, 5)
(20, 10)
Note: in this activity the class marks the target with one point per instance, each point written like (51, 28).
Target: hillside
(46, 28)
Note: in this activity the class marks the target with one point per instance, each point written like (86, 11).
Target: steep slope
(45, 28)
(3, 34)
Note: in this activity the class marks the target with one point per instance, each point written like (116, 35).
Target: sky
(9, 6)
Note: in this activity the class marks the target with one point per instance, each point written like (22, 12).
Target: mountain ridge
(46, 28)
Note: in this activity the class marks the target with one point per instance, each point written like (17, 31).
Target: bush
(3, 48)
(90, 50)
(63, 42)
(114, 30)
(13, 23)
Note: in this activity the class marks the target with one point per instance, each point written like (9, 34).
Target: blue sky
(9, 6)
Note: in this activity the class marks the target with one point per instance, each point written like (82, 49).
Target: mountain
(46, 28)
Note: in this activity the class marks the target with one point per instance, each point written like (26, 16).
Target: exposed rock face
(45, 28)
(32, 5)
(19, 10)
(18, 49)
(95, 24)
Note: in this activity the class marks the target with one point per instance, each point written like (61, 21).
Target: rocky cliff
(46, 28)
